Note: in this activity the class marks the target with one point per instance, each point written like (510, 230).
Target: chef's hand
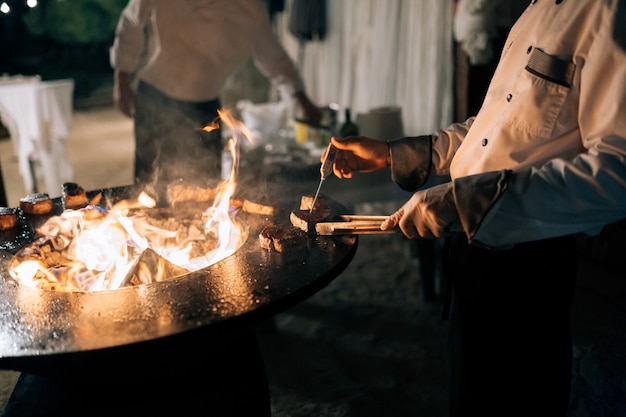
(430, 213)
(310, 112)
(359, 154)
(123, 94)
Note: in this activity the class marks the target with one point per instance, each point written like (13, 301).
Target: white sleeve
(129, 43)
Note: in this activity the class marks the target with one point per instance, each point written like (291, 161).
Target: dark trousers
(170, 143)
(510, 341)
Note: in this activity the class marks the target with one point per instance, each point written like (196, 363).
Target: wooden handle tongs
(354, 225)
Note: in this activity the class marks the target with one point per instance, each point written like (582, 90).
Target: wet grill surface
(42, 331)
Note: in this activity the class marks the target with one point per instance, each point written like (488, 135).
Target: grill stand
(187, 376)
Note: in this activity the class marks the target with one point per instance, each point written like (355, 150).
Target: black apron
(510, 340)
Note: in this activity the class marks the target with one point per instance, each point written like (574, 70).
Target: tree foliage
(75, 21)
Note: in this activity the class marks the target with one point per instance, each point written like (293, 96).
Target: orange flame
(104, 250)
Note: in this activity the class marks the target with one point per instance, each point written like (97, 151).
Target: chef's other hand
(359, 154)
(123, 94)
(430, 213)
(310, 112)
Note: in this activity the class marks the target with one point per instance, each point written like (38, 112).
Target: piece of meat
(257, 208)
(74, 196)
(36, 203)
(266, 237)
(321, 205)
(283, 239)
(179, 194)
(306, 220)
(8, 218)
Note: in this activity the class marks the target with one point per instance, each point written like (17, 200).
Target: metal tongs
(352, 224)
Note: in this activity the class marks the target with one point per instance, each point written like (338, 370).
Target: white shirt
(564, 141)
(193, 46)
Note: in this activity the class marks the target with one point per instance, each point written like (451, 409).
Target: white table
(38, 115)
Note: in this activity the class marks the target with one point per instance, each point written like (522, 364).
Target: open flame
(96, 249)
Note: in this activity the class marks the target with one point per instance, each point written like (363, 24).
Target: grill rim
(75, 328)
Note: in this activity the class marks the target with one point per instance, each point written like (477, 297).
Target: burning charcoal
(150, 267)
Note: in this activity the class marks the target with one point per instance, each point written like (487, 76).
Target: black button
(509, 97)
(484, 142)
(530, 48)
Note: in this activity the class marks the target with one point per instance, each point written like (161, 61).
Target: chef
(171, 60)
(543, 161)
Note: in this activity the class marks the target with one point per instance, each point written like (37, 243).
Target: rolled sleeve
(411, 161)
(475, 195)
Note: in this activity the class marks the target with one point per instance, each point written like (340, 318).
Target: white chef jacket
(554, 116)
(191, 47)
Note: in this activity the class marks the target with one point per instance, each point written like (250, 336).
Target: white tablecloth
(38, 116)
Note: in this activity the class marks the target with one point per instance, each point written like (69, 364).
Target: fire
(97, 249)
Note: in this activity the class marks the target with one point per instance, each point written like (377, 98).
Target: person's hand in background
(123, 95)
(311, 113)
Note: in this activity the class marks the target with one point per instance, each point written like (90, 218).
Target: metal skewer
(325, 170)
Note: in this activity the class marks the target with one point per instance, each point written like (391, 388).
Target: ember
(133, 242)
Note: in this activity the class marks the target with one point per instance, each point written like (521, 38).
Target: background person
(171, 60)
(543, 161)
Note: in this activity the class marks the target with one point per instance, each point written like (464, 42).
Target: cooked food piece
(74, 196)
(252, 207)
(257, 208)
(8, 218)
(320, 204)
(291, 239)
(266, 237)
(282, 238)
(186, 193)
(37, 203)
(306, 220)
(182, 192)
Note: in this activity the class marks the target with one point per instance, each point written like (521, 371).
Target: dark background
(66, 39)
(60, 39)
